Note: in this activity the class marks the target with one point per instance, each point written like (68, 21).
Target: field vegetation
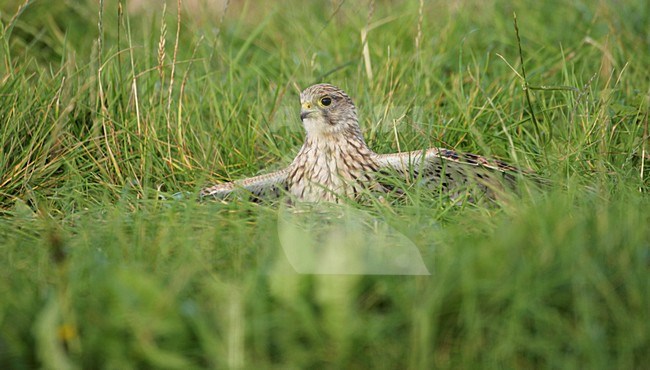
(113, 114)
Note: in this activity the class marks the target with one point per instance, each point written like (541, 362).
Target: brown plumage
(335, 161)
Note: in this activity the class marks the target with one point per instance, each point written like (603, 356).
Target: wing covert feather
(439, 167)
(262, 186)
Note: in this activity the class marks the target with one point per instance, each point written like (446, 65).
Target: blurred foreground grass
(102, 113)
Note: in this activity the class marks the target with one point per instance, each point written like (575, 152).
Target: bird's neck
(324, 135)
(334, 145)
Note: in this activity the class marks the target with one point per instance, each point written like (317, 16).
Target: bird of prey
(335, 162)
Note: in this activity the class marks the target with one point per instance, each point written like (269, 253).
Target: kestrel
(335, 162)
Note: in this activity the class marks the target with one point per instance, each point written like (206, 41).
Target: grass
(106, 110)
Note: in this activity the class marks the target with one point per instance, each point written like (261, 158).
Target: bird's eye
(325, 101)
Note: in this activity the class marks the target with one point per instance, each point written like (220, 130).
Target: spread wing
(265, 186)
(450, 171)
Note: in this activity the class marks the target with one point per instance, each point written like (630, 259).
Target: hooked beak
(304, 114)
(306, 110)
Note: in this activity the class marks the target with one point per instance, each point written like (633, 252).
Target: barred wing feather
(448, 170)
(261, 187)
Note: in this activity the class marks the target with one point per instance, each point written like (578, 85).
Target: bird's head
(326, 110)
